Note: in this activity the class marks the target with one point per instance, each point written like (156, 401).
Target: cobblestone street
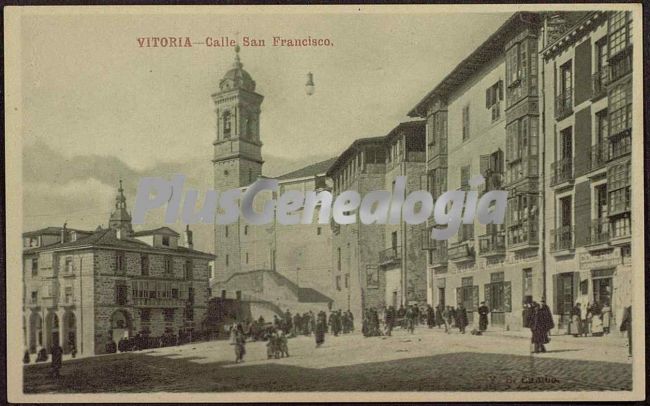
(428, 360)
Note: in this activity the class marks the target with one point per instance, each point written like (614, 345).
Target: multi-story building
(588, 111)
(379, 264)
(84, 288)
(483, 119)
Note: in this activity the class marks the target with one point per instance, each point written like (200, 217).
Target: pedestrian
(541, 324)
(483, 311)
(41, 354)
(284, 344)
(351, 318)
(288, 321)
(606, 314)
(410, 319)
(452, 316)
(57, 355)
(438, 316)
(240, 343)
(575, 326)
(626, 325)
(431, 316)
(26, 358)
(596, 320)
(446, 316)
(321, 326)
(461, 318)
(389, 320)
(584, 315)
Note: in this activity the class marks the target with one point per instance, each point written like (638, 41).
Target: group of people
(143, 340)
(590, 319)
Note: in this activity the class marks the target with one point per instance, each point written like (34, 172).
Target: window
(338, 258)
(34, 297)
(521, 149)
(246, 230)
(493, 96)
(522, 218)
(168, 265)
(189, 269)
(347, 280)
(169, 315)
(120, 262)
(464, 177)
(620, 109)
(238, 294)
(393, 239)
(227, 260)
(227, 124)
(247, 257)
(174, 293)
(165, 240)
(34, 266)
(601, 201)
(190, 295)
(120, 294)
(145, 315)
(68, 294)
(601, 126)
(618, 187)
(144, 265)
(466, 122)
(566, 80)
(619, 32)
(491, 167)
(318, 231)
(338, 282)
(601, 55)
(69, 266)
(566, 144)
(226, 231)
(565, 212)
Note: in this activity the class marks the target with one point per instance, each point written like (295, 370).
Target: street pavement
(429, 360)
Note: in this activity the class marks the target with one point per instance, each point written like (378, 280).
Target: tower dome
(237, 77)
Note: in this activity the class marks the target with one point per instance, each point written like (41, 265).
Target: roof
(318, 168)
(406, 125)
(159, 230)
(107, 238)
(492, 46)
(53, 231)
(351, 149)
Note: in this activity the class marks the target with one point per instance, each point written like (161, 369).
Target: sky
(97, 107)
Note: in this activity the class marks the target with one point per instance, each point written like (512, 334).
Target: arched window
(227, 124)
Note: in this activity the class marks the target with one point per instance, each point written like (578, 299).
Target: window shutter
(507, 296)
(459, 296)
(486, 294)
(484, 164)
(500, 86)
(498, 157)
(488, 97)
(475, 299)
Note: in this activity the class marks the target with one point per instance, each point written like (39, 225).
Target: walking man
(541, 324)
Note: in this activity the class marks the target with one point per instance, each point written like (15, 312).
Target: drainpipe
(542, 210)
(403, 228)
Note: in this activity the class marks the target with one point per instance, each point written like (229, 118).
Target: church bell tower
(237, 160)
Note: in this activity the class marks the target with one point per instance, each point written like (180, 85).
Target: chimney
(187, 236)
(64, 232)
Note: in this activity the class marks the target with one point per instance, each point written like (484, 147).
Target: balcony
(599, 82)
(562, 171)
(562, 240)
(439, 259)
(599, 156)
(564, 104)
(461, 252)
(491, 245)
(599, 233)
(158, 302)
(390, 255)
(523, 235)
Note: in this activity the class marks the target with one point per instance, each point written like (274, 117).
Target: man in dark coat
(541, 324)
(431, 316)
(57, 355)
(461, 318)
(483, 311)
(439, 319)
(389, 320)
(321, 326)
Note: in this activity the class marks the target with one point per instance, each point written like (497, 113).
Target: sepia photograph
(325, 203)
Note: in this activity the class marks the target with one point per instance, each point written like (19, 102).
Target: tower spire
(120, 219)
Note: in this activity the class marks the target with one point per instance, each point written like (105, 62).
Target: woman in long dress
(321, 326)
(607, 317)
(575, 325)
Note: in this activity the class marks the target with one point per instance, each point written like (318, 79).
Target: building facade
(84, 288)
(377, 265)
(589, 129)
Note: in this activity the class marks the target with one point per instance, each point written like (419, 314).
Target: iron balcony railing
(492, 244)
(562, 238)
(599, 231)
(599, 156)
(158, 302)
(599, 82)
(392, 254)
(439, 255)
(562, 171)
(564, 104)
